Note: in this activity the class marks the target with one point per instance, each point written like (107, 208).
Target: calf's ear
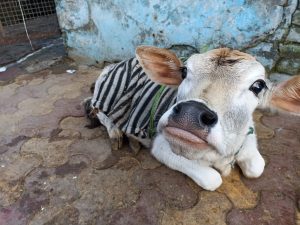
(286, 95)
(161, 65)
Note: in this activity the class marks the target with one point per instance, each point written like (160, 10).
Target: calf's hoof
(116, 143)
(134, 145)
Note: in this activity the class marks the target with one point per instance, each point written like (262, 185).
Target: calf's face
(217, 94)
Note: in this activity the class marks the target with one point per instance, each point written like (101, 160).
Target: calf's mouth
(186, 137)
(189, 124)
(181, 136)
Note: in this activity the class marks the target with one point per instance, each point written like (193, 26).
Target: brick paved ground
(56, 171)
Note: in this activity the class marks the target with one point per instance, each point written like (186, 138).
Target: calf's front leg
(114, 133)
(205, 176)
(249, 159)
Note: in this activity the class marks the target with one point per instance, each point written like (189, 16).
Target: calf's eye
(183, 72)
(258, 86)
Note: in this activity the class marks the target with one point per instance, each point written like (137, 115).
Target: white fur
(200, 171)
(224, 90)
(227, 145)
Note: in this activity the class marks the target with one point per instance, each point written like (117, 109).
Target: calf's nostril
(177, 109)
(208, 118)
(193, 115)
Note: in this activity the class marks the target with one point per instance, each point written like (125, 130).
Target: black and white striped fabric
(125, 94)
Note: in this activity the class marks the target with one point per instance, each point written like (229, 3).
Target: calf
(200, 113)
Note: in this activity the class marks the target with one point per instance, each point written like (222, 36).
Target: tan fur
(287, 95)
(163, 65)
(229, 54)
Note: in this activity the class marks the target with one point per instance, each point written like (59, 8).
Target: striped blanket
(125, 94)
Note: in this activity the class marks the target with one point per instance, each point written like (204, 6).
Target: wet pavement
(56, 171)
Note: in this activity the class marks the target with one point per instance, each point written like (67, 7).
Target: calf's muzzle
(192, 116)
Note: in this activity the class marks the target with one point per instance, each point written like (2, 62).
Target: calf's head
(217, 94)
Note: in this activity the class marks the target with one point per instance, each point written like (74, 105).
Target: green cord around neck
(250, 131)
(152, 129)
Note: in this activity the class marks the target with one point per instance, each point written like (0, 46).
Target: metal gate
(27, 19)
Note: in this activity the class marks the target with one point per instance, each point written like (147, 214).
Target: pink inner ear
(287, 95)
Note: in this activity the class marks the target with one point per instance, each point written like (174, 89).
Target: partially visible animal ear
(286, 95)
(161, 65)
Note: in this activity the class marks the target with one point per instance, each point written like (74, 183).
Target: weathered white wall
(109, 30)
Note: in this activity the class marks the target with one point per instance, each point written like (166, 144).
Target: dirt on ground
(54, 170)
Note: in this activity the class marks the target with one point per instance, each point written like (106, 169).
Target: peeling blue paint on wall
(115, 27)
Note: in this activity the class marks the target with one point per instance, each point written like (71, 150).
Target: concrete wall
(109, 30)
